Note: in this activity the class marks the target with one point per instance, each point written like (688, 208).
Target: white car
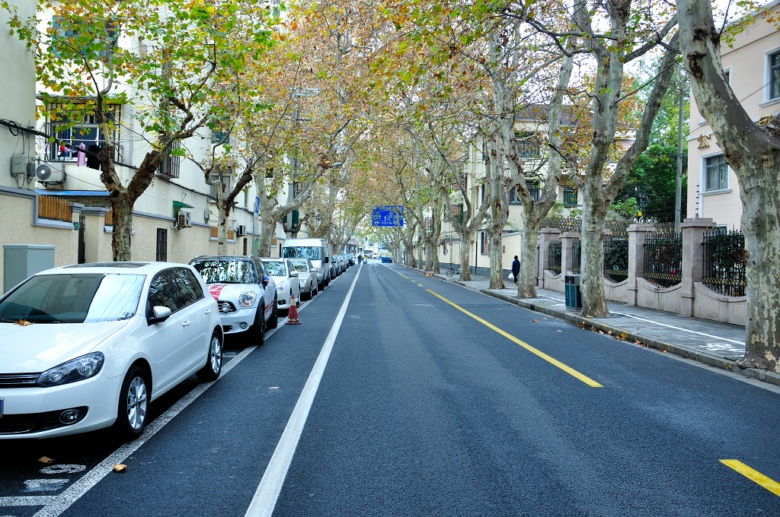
(89, 346)
(246, 295)
(307, 277)
(286, 278)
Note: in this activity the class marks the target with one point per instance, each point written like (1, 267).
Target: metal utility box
(23, 260)
(572, 292)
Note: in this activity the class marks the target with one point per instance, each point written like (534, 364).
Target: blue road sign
(388, 215)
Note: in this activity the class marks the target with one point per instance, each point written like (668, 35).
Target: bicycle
(453, 270)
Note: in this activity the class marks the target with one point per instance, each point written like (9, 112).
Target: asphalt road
(425, 398)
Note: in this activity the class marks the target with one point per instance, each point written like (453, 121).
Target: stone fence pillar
(692, 259)
(567, 243)
(637, 233)
(97, 243)
(546, 236)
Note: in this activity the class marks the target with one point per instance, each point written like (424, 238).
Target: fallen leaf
(559, 330)
(23, 323)
(45, 459)
(534, 321)
(119, 467)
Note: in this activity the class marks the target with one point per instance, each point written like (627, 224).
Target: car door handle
(185, 323)
(208, 311)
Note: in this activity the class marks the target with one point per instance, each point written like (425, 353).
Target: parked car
(245, 294)
(307, 277)
(316, 250)
(387, 260)
(287, 285)
(89, 346)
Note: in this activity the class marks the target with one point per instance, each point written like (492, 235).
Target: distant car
(307, 277)
(350, 260)
(387, 259)
(337, 265)
(89, 346)
(286, 278)
(246, 296)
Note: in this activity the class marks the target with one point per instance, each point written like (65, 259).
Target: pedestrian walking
(360, 259)
(515, 269)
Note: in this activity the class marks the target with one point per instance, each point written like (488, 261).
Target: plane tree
(752, 150)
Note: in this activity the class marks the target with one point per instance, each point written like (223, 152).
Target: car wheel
(213, 366)
(133, 404)
(273, 321)
(256, 333)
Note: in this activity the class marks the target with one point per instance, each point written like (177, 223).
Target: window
(569, 197)
(533, 189)
(162, 245)
(514, 198)
(169, 166)
(716, 174)
(773, 69)
(188, 287)
(527, 145)
(73, 128)
(484, 247)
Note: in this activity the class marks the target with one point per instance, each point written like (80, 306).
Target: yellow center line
(571, 371)
(754, 475)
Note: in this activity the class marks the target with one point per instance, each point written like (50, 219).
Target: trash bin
(572, 292)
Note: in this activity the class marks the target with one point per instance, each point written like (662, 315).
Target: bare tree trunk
(753, 152)
(499, 212)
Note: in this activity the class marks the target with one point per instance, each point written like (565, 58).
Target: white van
(316, 250)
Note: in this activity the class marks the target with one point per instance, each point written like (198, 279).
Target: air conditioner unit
(183, 220)
(241, 230)
(46, 174)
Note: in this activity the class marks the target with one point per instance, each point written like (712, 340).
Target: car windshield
(74, 298)
(300, 266)
(275, 269)
(219, 271)
(309, 252)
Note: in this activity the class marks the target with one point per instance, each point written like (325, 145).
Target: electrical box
(19, 164)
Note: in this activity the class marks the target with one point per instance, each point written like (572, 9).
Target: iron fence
(554, 257)
(663, 259)
(725, 262)
(616, 258)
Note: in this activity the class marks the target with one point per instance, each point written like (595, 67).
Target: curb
(576, 319)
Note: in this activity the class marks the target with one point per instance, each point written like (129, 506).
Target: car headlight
(75, 370)
(247, 299)
(281, 287)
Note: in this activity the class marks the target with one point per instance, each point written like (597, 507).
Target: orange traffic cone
(292, 315)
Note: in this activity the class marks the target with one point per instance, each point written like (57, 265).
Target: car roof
(127, 268)
(222, 257)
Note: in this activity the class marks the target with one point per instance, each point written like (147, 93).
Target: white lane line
(56, 505)
(267, 493)
(680, 328)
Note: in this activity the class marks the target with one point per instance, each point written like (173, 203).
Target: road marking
(682, 329)
(267, 493)
(754, 475)
(56, 505)
(571, 371)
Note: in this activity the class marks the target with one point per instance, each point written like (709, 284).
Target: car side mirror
(159, 313)
(266, 280)
(326, 260)
(315, 269)
(293, 274)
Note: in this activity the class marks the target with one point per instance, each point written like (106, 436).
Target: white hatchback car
(89, 346)
(287, 285)
(246, 296)
(307, 277)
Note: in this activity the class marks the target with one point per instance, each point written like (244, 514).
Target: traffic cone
(292, 314)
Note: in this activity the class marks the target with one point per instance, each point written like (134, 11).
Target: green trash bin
(572, 292)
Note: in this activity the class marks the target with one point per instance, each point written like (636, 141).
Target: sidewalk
(710, 342)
